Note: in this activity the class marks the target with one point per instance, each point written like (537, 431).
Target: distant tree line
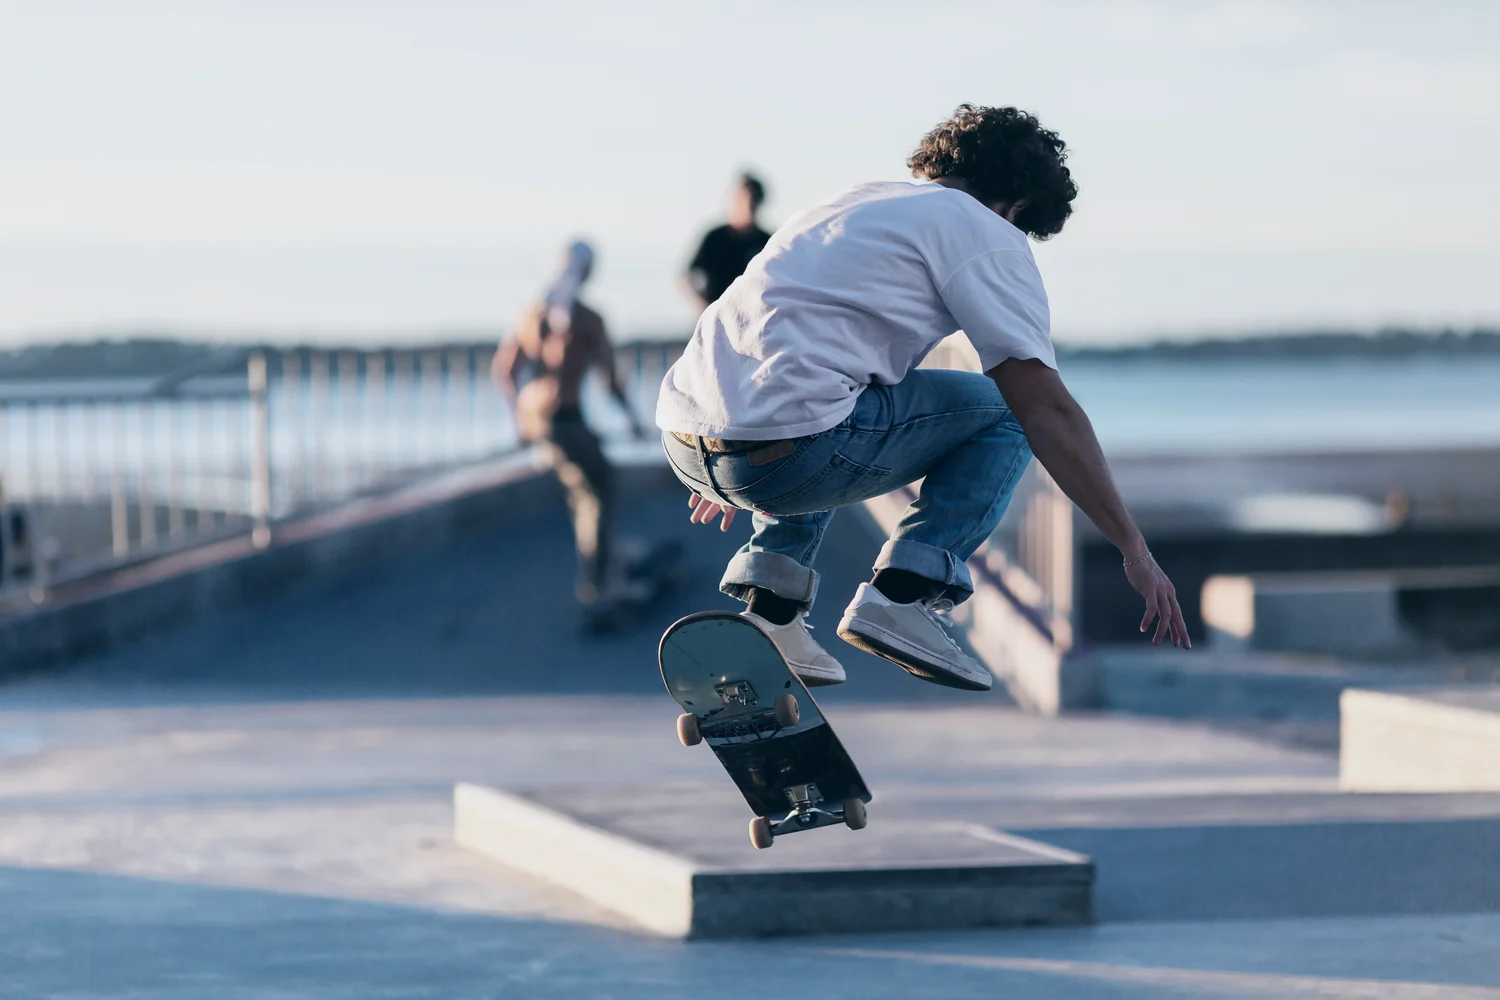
(1318, 344)
(145, 357)
(135, 358)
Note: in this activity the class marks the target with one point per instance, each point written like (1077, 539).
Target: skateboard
(739, 696)
(659, 570)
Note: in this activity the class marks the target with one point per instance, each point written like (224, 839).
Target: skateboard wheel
(854, 814)
(687, 730)
(787, 712)
(760, 833)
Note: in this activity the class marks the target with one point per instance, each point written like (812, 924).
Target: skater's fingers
(729, 513)
(1179, 626)
(1150, 612)
(1161, 631)
(1164, 622)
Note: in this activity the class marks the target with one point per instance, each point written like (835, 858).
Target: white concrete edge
(990, 835)
(650, 887)
(1411, 706)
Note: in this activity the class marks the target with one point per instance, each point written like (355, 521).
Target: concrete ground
(259, 806)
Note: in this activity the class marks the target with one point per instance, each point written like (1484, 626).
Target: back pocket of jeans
(839, 482)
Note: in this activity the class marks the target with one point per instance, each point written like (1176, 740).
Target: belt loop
(708, 473)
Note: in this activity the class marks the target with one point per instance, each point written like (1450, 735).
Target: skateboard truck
(737, 693)
(805, 808)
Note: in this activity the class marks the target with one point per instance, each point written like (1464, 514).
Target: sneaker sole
(883, 644)
(817, 680)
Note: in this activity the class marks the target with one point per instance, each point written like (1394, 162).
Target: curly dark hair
(1003, 155)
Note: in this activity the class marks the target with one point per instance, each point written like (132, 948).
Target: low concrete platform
(675, 859)
(1429, 740)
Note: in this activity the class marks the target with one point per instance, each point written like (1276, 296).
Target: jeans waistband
(757, 452)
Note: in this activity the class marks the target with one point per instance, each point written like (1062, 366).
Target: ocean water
(1217, 407)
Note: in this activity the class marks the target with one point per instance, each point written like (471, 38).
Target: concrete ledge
(650, 887)
(675, 860)
(1431, 740)
(99, 613)
(1173, 683)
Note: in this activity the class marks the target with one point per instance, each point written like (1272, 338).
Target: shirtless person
(799, 394)
(541, 369)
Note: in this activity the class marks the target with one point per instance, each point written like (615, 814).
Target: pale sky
(374, 170)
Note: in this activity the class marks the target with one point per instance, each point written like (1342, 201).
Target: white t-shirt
(854, 291)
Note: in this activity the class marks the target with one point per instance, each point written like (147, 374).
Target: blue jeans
(950, 429)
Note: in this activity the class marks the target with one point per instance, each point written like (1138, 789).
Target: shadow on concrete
(493, 615)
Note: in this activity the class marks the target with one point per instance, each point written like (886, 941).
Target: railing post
(145, 501)
(119, 500)
(5, 539)
(1061, 561)
(5, 542)
(429, 393)
(375, 379)
(294, 416)
(313, 426)
(260, 454)
(345, 411)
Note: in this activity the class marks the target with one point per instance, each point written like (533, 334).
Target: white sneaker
(801, 651)
(912, 636)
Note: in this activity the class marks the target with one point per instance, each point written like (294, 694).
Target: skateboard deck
(659, 568)
(739, 696)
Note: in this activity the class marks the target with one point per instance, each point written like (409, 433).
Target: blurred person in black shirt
(727, 249)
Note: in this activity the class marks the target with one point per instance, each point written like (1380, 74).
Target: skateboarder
(541, 369)
(798, 394)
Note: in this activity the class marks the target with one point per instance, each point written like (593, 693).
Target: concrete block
(676, 860)
(1319, 613)
(1427, 740)
(1335, 613)
(1212, 684)
(1228, 609)
(649, 886)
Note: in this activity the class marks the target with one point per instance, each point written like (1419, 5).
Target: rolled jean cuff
(928, 561)
(782, 575)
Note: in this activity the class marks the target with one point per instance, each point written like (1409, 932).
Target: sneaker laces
(937, 609)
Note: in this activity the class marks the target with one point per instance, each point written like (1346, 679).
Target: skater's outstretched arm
(1063, 440)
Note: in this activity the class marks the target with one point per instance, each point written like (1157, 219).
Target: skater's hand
(705, 511)
(1161, 602)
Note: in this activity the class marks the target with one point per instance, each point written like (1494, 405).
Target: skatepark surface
(260, 804)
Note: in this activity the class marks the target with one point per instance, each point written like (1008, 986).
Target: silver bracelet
(1137, 561)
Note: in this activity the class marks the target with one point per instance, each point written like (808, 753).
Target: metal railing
(1033, 552)
(110, 472)
(86, 479)
(100, 473)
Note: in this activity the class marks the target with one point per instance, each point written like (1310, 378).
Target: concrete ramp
(675, 859)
